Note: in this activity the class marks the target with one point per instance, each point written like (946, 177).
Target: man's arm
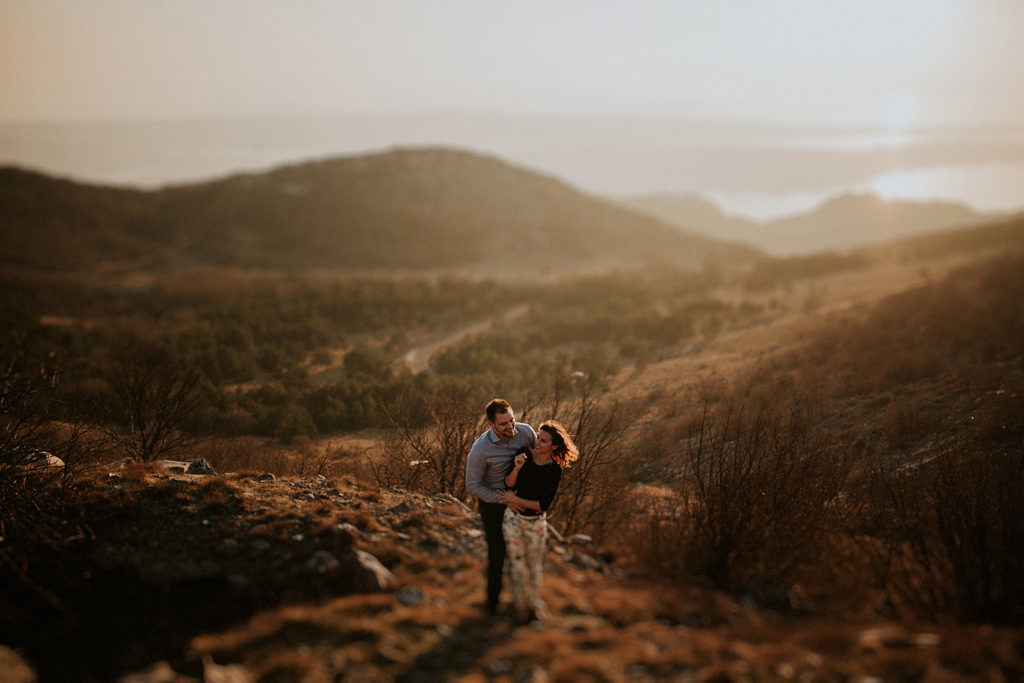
(521, 504)
(476, 468)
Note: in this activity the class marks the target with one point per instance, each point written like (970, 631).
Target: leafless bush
(589, 497)
(753, 513)
(431, 458)
(954, 533)
(40, 506)
(251, 455)
(153, 398)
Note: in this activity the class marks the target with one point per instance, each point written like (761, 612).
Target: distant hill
(49, 222)
(696, 213)
(412, 208)
(845, 221)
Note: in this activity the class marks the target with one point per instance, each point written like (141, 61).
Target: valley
(796, 439)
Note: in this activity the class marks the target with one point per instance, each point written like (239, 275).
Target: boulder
(366, 572)
(411, 596)
(28, 459)
(323, 562)
(197, 466)
(13, 668)
(585, 561)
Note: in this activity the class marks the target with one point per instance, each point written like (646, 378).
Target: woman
(532, 482)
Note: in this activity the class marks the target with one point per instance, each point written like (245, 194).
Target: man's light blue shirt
(488, 461)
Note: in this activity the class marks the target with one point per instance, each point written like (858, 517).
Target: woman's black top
(537, 482)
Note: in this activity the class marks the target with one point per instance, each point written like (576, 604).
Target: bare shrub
(954, 533)
(431, 459)
(590, 494)
(153, 398)
(24, 428)
(313, 461)
(245, 455)
(755, 508)
(252, 455)
(41, 509)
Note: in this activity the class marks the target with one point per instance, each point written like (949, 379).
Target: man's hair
(497, 407)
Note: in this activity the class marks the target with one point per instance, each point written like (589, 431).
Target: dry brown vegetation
(779, 491)
(875, 464)
(216, 576)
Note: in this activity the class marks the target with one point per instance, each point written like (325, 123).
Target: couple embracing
(514, 471)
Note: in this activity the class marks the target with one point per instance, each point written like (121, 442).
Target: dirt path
(418, 359)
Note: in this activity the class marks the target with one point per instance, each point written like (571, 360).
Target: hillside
(894, 371)
(248, 577)
(417, 209)
(842, 222)
(693, 212)
(59, 224)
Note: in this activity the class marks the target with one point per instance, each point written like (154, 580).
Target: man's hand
(511, 501)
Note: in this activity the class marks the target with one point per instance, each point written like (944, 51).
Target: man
(486, 466)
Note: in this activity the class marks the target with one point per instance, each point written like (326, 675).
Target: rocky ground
(247, 577)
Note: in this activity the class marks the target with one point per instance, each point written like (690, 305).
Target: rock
(266, 476)
(14, 669)
(411, 595)
(344, 533)
(260, 546)
(883, 637)
(585, 562)
(49, 460)
(160, 672)
(29, 459)
(199, 466)
(323, 562)
(451, 500)
(367, 573)
(230, 673)
(581, 539)
(402, 508)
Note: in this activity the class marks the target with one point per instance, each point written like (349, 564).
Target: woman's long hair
(564, 452)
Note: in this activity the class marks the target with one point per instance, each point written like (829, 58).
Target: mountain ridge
(843, 221)
(415, 208)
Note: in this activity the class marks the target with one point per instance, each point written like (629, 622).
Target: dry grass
(933, 370)
(925, 387)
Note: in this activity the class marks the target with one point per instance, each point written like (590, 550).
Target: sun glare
(902, 185)
(900, 110)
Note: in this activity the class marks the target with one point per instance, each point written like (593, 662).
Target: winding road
(418, 359)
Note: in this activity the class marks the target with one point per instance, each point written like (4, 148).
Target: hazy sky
(894, 62)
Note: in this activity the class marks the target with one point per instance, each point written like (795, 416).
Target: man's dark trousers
(492, 515)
